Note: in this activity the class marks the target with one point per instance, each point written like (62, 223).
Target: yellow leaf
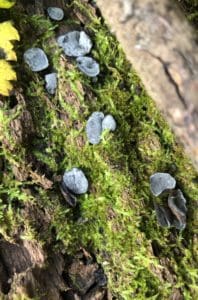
(6, 3)
(7, 34)
(6, 74)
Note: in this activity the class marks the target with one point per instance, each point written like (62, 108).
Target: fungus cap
(88, 66)
(51, 83)
(36, 59)
(159, 182)
(109, 123)
(75, 181)
(55, 13)
(94, 127)
(75, 43)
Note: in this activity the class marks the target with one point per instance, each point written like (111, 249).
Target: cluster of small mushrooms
(77, 44)
(173, 213)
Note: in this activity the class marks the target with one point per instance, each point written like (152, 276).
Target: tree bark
(161, 46)
(38, 6)
(44, 271)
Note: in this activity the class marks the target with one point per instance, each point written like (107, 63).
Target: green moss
(115, 220)
(190, 8)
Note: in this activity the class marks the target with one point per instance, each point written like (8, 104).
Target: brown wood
(161, 46)
(39, 6)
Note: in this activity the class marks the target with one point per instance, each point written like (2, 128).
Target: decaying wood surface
(38, 6)
(161, 46)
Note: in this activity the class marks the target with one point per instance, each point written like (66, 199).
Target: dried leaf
(6, 75)
(7, 34)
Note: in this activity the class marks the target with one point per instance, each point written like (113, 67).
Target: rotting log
(42, 264)
(161, 45)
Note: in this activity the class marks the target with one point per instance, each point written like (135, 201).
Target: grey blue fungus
(51, 83)
(75, 43)
(55, 13)
(88, 66)
(164, 216)
(109, 123)
(36, 59)
(76, 181)
(160, 182)
(94, 127)
(177, 205)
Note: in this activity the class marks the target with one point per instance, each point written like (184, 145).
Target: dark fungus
(164, 216)
(175, 214)
(177, 205)
(69, 197)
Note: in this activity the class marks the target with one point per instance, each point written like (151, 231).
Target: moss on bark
(115, 220)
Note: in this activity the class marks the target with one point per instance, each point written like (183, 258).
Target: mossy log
(161, 46)
(50, 250)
